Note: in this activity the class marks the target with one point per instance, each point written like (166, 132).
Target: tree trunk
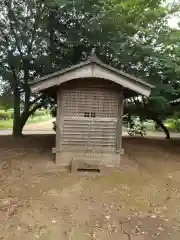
(19, 119)
(156, 126)
(17, 131)
(130, 121)
(52, 46)
(160, 123)
(24, 117)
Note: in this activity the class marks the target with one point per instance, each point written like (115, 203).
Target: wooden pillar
(120, 123)
(58, 123)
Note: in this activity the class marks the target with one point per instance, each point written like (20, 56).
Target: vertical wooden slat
(58, 132)
(118, 126)
(121, 120)
(61, 118)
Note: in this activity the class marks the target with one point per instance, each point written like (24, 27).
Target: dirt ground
(44, 125)
(140, 201)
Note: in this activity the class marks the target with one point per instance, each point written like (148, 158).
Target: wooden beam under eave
(99, 72)
(84, 72)
(92, 71)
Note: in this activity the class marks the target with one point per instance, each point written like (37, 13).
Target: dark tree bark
(17, 129)
(19, 124)
(16, 102)
(130, 122)
(20, 85)
(51, 38)
(164, 128)
(156, 126)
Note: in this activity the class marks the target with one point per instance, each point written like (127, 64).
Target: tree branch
(5, 37)
(14, 75)
(16, 23)
(144, 101)
(134, 100)
(161, 124)
(8, 5)
(39, 105)
(35, 100)
(38, 15)
(26, 60)
(25, 115)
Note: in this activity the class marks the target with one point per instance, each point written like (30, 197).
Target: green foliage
(40, 113)
(40, 37)
(178, 125)
(4, 115)
(5, 124)
(6, 101)
(172, 123)
(8, 123)
(11, 112)
(150, 125)
(53, 112)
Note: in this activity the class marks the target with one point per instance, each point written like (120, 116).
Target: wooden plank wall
(89, 114)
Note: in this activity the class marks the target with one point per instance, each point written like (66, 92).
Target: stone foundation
(111, 160)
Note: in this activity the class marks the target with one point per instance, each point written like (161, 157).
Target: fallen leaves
(8, 207)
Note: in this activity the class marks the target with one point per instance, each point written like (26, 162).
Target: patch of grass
(5, 124)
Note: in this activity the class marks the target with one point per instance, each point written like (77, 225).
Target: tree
(22, 54)
(163, 68)
(142, 46)
(154, 55)
(6, 102)
(42, 36)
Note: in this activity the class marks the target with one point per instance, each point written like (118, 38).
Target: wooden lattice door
(90, 119)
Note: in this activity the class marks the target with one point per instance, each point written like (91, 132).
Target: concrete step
(80, 163)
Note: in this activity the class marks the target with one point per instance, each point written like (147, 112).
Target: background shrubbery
(4, 115)
(40, 113)
(172, 124)
(9, 114)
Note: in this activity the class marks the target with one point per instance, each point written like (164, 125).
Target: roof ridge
(93, 57)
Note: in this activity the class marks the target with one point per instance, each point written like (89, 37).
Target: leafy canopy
(42, 36)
